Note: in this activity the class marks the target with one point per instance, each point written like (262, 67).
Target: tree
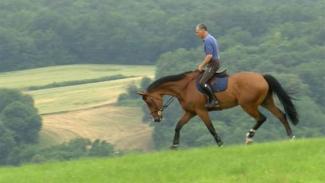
(23, 121)
(20, 124)
(7, 144)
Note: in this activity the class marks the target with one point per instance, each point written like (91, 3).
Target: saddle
(221, 72)
(218, 82)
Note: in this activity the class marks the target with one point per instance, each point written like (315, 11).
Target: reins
(169, 101)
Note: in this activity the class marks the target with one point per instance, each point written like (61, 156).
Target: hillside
(70, 98)
(88, 109)
(286, 161)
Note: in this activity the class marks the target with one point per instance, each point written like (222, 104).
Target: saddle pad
(218, 84)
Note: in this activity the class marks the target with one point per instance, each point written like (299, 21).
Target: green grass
(278, 162)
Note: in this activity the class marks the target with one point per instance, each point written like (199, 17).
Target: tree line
(36, 33)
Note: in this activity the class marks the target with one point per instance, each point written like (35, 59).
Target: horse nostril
(157, 120)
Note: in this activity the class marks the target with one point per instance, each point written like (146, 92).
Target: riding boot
(212, 99)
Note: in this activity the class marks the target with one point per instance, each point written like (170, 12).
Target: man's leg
(213, 102)
(202, 82)
(208, 73)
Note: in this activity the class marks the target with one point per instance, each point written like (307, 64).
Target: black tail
(284, 98)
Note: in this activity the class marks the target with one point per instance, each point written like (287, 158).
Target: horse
(249, 90)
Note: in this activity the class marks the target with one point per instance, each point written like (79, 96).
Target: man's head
(201, 31)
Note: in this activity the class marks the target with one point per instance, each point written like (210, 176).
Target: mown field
(118, 125)
(300, 161)
(70, 98)
(85, 110)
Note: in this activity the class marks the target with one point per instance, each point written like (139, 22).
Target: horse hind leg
(270, 106)
(258, 116)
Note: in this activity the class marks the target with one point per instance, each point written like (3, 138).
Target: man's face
(200, 32)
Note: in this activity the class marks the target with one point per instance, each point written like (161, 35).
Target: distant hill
(286, 161)
(87, 109)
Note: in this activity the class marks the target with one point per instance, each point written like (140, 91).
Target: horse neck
(175, 88)
(169, 88)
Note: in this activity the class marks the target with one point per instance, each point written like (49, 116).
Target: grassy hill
(86, 109)
(279, 162)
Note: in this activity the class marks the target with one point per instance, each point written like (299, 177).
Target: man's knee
(203, 80)
(202, 83)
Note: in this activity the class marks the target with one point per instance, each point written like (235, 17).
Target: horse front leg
(184, 119)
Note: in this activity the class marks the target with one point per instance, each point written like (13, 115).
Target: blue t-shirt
(211, 47)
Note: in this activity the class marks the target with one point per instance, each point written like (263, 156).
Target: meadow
(283, 161)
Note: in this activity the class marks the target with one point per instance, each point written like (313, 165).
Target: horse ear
(141, 93)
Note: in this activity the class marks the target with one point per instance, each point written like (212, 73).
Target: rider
(211, 60)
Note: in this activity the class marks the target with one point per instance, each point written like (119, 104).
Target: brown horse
(247, 89)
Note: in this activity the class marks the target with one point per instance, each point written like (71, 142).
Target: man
(211, 60)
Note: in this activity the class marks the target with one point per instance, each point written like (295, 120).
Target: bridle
(160, 110)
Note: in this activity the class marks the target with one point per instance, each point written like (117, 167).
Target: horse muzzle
(159, 117)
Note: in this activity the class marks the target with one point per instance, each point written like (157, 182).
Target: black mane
(165, 79)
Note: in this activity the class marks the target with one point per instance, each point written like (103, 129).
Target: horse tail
(284, 98)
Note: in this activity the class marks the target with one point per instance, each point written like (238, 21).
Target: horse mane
(165, 79)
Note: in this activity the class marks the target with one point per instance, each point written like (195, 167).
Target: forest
(35, 33)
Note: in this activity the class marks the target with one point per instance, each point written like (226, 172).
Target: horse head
(154, 103)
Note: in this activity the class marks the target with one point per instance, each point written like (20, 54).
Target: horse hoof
(220, 143)
(293, 138)
(249, 141)
(174, 147)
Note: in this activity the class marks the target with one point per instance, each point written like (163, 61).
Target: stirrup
(212, 105)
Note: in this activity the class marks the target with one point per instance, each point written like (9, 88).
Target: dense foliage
(45, 32)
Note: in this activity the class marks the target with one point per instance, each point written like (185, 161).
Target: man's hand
(200, 67)
(206, 61)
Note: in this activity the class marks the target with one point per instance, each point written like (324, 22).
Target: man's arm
(206, 60)
(208, 55)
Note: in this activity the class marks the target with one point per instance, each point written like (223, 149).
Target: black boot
(212, 99)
